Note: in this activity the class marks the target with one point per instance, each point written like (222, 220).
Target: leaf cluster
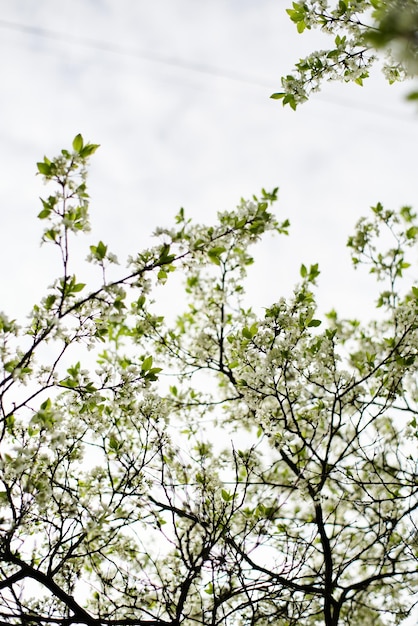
(360, 31)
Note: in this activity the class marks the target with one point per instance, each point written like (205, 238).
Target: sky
(176, 92)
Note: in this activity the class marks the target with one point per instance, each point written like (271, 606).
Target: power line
(132, 52)
(200, 68)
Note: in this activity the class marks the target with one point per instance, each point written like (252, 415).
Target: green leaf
(412, 232)
(10, 422)
(250, 331)
(152, 374)
(140, 302)
(114, 443)
(44, 214)
(77, 287)
(78, 143)
(313, 272)
(208, 589)
(215, 253)
(407, 214)
(290, 100)
(342, 7)
(332, 54)
(51, 234)
(146, 364)
(44, 168)
(413, 95)
(70, 383)
(89, 149)
(165, 256)
(99, 251)
(300, 26)
(192, 281)
(46, 405)
(49, 301)
(314, 323)
(226, 496)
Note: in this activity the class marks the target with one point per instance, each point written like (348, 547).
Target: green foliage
(388, 265)
(360, 30)
(311, 275)
(226, 468)
(297, 15)
(395, 26)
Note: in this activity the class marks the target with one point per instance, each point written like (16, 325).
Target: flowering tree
(359, 30)
(222, 469)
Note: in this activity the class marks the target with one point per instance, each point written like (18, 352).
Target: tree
(130, 495)
(360, 30)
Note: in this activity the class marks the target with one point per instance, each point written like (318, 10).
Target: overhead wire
(201, 68)
(114, 48)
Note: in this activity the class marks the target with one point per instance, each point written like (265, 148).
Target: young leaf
(314, 323)
(146, 364)
(78, 143)
(44, 168)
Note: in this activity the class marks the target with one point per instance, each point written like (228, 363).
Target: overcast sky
(177, 94)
